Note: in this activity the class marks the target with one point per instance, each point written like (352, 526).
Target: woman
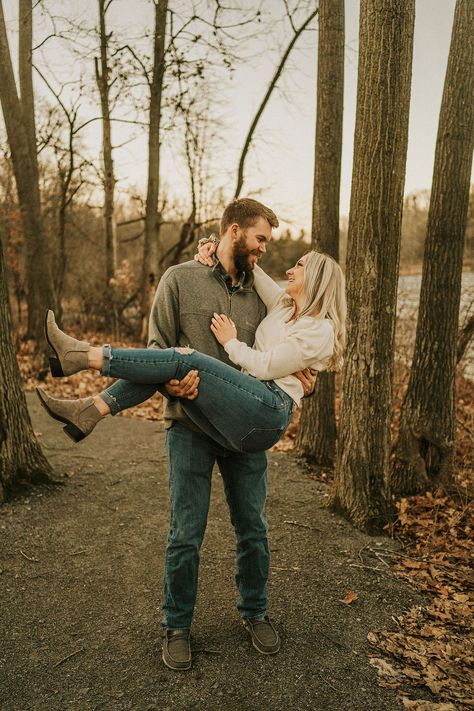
(244, 411)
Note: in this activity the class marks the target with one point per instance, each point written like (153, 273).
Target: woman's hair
(324, 292)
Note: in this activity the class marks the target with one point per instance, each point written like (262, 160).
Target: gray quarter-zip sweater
(187, 296)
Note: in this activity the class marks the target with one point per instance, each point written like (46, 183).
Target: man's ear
(234, 232)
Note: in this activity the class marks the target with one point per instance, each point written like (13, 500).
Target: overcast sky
(280, 165)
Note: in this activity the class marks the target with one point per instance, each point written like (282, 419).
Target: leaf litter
(432, 649)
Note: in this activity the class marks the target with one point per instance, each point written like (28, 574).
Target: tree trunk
(102, 74)
(380, 146)
(20, 125)
(21, 459)
(316, 438)
(151, 255)
(424, 453)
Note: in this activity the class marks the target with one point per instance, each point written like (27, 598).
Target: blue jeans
(191, 457)
(237, 411)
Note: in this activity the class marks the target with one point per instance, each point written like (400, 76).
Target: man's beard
(242, 256)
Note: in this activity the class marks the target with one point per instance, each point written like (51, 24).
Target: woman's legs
(237, 410)
(120, 395)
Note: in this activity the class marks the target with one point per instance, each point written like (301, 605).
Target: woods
(127, 128)
(426, 441)
(354, 438)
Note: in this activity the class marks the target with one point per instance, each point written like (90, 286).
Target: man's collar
(219, 269)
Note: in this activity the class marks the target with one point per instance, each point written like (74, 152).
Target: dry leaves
(434, 645)
(350, 597)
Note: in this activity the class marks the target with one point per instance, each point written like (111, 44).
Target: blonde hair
(324, 291)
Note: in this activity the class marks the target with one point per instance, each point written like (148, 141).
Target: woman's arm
(267, 289)
(300, 350)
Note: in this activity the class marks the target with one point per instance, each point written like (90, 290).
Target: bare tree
(316, 439)
(19, 119)
(62, 129)
(103, 80)
(424, 453)
(151, 251)
(297, 32)
(21, 459)
(381, 136)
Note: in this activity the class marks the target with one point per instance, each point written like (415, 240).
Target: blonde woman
(244, 411)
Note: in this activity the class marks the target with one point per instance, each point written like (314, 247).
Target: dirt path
(80, 587)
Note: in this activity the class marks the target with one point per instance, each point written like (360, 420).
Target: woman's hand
(205, 252)
(223, 328)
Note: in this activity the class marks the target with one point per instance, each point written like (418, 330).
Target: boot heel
(55, 367)
(74, 432)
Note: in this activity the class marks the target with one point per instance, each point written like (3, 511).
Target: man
(187, 296)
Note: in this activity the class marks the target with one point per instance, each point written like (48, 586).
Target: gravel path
(80, 588)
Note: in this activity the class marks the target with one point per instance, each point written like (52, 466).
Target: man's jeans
(191, 459)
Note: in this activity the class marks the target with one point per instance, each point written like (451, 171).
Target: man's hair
(245, 212)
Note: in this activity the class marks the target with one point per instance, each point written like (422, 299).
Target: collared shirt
(226, 277)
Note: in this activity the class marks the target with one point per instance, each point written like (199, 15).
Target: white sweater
(281, 346)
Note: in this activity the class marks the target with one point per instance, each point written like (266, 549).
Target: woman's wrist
(205, 240)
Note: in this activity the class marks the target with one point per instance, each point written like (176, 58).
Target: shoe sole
(54, 362)
(72, 431)
(167, 664)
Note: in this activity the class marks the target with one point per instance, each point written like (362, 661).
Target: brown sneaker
(177, 649)
(264, 636)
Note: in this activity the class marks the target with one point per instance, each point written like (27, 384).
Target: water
(407, 309)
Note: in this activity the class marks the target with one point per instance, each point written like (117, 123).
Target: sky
(279, 169)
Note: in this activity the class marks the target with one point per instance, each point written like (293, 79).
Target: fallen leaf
(350, 597)
(422, 705)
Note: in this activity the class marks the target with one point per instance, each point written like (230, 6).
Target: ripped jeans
(236, 410)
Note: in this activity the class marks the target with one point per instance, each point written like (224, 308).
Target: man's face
(250, 244)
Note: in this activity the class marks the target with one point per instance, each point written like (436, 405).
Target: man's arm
(307, 378)
(163, 332)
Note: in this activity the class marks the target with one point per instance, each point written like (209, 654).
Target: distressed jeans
(236, 410)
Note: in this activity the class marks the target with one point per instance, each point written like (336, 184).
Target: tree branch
(261, 108)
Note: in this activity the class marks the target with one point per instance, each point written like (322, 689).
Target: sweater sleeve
(267, 289)
(163, 326)
(303, 348)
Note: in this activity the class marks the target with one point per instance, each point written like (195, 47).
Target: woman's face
(295, 285)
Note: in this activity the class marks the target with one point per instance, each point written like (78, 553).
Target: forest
(92, 97)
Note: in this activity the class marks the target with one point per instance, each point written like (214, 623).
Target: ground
(81, 567)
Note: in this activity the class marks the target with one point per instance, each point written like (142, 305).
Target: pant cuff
(107, 357)
(111, 402)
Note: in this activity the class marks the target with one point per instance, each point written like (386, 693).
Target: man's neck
(226, 257)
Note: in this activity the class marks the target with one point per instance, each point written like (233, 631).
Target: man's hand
(307, 378)
(185, 388)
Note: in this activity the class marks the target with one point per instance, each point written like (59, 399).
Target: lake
(407, 308)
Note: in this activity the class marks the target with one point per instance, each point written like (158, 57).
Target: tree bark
(151, 255)
(380, 146)
(424, 453)
(102, 74)
(20, 125)
(316, 439)
(21, 459)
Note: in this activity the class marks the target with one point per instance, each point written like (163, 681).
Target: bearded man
(186, 298)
